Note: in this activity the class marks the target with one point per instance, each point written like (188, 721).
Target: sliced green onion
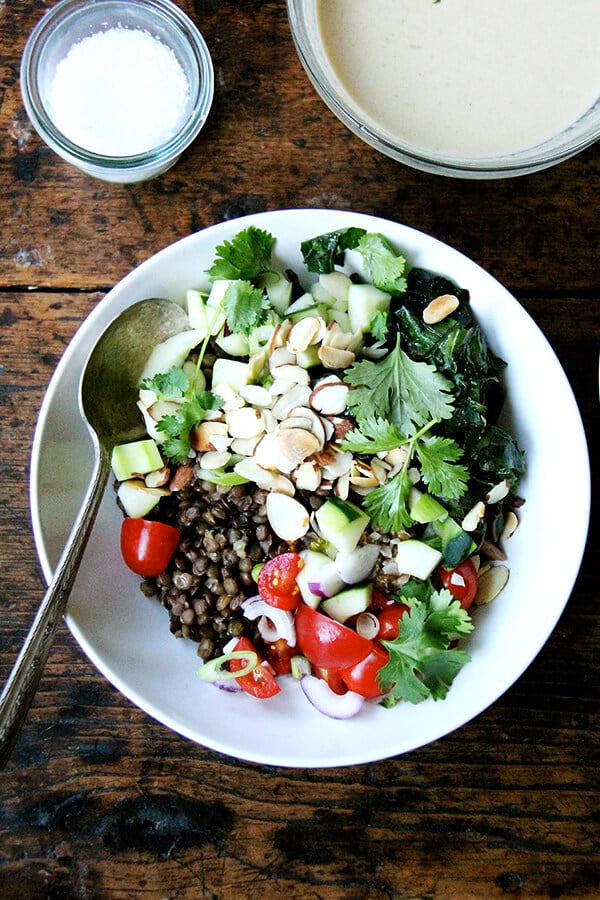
(215, 669)
(220, 476)
(299, 666)
(256, 572)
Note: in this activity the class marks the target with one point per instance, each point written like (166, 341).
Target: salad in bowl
(326, 491)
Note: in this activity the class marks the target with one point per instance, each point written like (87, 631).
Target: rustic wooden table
(100, 801)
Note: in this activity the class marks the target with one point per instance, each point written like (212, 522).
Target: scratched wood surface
(98, 800)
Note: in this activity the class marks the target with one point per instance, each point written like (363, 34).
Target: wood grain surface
(99, 801)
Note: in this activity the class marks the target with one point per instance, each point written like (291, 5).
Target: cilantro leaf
(421, 663)
(177, 426)
(245, 306)
(387, 504)
(246, 257)
(438, 457)
(375, 436)
(378, 326)
(384, 266)
(399, 389)
(321, 254)
(169, 385)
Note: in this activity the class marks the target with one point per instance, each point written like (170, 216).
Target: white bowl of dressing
(118, 88)
(467, 88)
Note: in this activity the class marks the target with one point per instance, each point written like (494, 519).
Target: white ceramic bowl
(306, 32)
(71, 21)
(126, 635)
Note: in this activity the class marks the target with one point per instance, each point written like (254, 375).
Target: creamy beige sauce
(466, 77)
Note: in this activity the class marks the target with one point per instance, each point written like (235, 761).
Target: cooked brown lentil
(224, 533)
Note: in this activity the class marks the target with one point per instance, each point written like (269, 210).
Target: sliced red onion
(357, 566)
(273, 623)
(328, 581)
(367, 625)
(326, 701)
(232, 687)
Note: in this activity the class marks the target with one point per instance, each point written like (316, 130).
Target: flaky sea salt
(119, 92)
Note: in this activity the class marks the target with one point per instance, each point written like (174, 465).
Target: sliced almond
(182, 476)
(473, 517)
(285, 449)
(316, 423)
(341, 487)
(282, 485)
(212, 459)
(339, 465)
(256, 364)
(244, 446)
(203, 435)
(245, 423)
(511, 523)
(296, 420)
(279, 336)
(281, 356)
(305, 333)
(490, 583)
(498, 492)
(307, 476)
(256, 394)
(439, 308)
(330, 398)
(250, 469)
(287, 517)
(158, 477)
(231, 399)
(292, 372)
(297, 395)
(334, 358)
(362, 475)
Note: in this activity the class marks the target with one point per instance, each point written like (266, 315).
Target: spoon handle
(24, 679)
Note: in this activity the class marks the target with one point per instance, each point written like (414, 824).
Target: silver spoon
(107, 402)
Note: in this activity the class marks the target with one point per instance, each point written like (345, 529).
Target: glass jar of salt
(118, 89)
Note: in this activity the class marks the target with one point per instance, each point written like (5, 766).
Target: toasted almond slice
(256, 394)
(341, 487)
(334, 358)
(297, 395)
(292, 372)
(511, 523)
(296, 420)
(231, 399)
(158, 477)
(212, 459)
(245, 423)
(439, 308)
(245, 446)
(307, 476)
(256, 364)
(202, 435)
(339, 465)
(269, 419)
(287, 517)
(362, 475)
(498, 492)
(281, 356)
(282, 485)
(316, 423)
(285, 449)
(305, 332)
(331, 398)
(279, 336)
(490, 582)
(250, 469)
(473, 517)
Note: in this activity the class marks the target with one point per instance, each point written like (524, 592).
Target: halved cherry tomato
(461, 582)
(362, 677)
(261, 681)
(327, 643)
(147, 547)
(279, 655)
(277, 581)
(379, 600)
(389, 621)
(333, 678)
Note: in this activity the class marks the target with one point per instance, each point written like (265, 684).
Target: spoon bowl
(107, 403)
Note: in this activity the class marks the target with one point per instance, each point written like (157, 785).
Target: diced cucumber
(233, 344)
(172, 352)
(196, 309)
(336, 284)
(214, 305)
(135, 458)
(279, 291)
(424, 508)
(457, 544)
(231, 372)
(348, 603)
(341, 317)
(306, 301)
(316, 309)
(309, 357)
(364, 300)
(137, 498)
(417, 558)
(259, 338)
(341, 523)
(314, 562)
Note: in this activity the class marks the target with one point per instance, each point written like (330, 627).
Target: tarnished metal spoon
(107, 401)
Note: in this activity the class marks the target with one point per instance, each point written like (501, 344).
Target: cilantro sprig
(246, 257)
(422, 664)
(194, 405)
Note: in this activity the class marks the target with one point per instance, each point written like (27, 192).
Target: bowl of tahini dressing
(470, 88)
